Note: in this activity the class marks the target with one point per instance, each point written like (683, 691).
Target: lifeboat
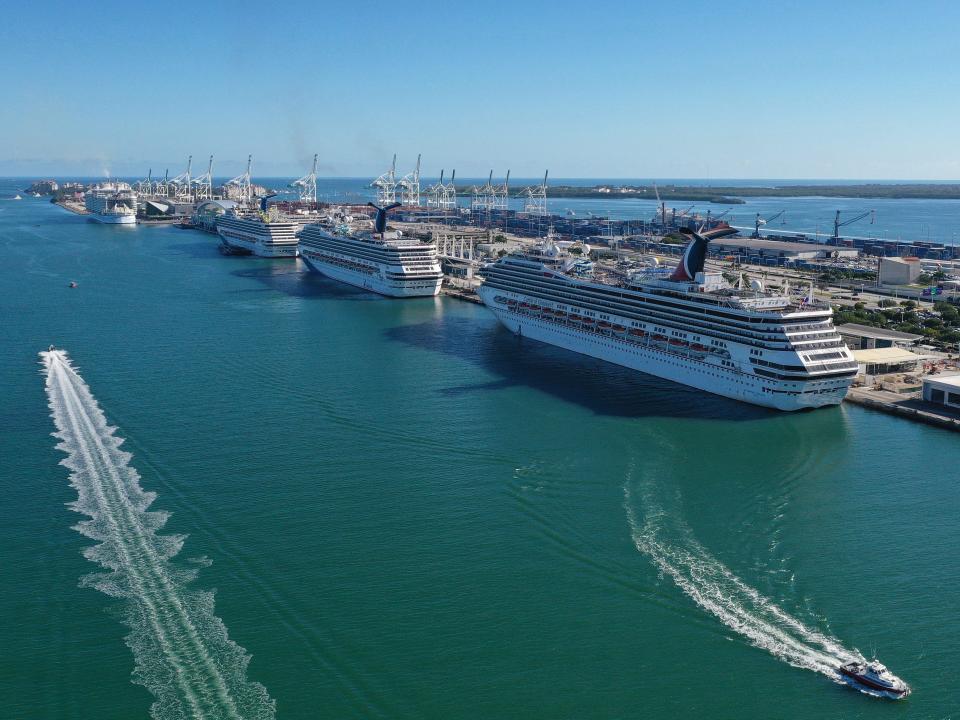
(511, 301)
(535, 308)
(604, 325)
(575, 318)
(588, 321)
(619, 328)
(659, 338)
(500, 299)
(547, 311)
(524, 305)
(698, 347)
(636, 332)
(678, 342)
(559, 313)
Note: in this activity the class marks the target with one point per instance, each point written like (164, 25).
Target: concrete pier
(908, 407)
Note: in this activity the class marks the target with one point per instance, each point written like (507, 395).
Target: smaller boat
(17, 197)
(874, 676)
(72, 284)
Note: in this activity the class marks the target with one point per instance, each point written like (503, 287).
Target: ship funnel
(693, 259)
(380, 224)
(263, 201)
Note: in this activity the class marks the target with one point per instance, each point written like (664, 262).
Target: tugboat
(874, 676)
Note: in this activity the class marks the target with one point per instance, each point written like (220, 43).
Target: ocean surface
(271, 495)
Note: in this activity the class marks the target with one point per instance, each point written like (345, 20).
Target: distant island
(727, 195)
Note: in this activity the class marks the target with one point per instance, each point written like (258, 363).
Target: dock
(73, 207)
(906, 406)
(461, 294)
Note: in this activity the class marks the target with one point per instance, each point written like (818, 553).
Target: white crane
(307, 185)
(203, 185)
(410, 186)
(386, 185)
(242, 183)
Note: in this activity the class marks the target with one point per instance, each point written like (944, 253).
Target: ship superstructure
(381, 260)
(263, 233)
(685, 325)
(112, 203)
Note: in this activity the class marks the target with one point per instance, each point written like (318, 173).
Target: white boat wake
(181, 650)
(712, 586)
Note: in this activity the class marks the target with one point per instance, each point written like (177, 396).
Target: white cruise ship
(688, 326)
(112, 203)
(380, 260)
(263, 234)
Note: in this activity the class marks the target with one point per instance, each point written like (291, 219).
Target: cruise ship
(380, 260)
(686, 325)
(112, 203)
(262, 233)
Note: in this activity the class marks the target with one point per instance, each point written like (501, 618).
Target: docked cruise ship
(112, 203)
(685, 325)
(263, 233)
(380, 260)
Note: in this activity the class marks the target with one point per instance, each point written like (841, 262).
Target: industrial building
(942, 390)
(899, 270)
(775, 252)
(864, 337)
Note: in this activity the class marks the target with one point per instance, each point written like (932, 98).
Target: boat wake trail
(712, 586)
(181, 650)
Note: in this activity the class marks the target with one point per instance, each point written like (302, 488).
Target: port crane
(410, 186)
(837, 224)
(242, 182)
(763, 221)
(307, 185)
(706, 224)
(204, 183)
(443, 196)
(386, 185)
(181, 183)
(535, 198)
(501, 194)
(662, 205)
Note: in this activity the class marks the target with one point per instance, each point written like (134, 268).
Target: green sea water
(406, 512)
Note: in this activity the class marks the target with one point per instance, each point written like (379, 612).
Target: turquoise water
(407, 512)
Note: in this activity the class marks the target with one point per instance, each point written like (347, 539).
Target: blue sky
(721, 89)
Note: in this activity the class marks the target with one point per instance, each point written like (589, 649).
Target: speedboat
(874, 676)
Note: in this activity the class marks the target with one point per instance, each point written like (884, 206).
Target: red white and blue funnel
(694, 257)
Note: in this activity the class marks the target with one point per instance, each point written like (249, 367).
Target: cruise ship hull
(372, 282)
(113, 219)
(661, 362)
(242, 246)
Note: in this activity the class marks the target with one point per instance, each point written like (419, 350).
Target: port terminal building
(864, 337)
(943, 390)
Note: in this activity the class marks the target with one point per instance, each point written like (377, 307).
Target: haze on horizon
(621, 90)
